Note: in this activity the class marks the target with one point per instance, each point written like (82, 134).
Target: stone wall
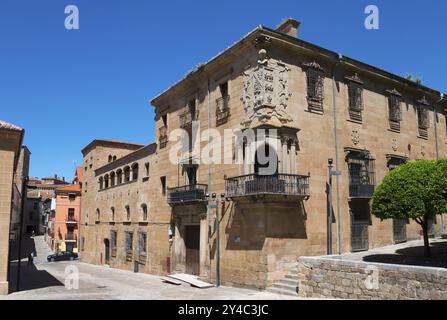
(330, 277)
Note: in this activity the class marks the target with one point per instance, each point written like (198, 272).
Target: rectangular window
(423, 120)
(222, 105)
(355, 92)
(113, 241)
(163, 185)
(164, 118)
(394, 110)
(142, 243)
(129, 241)
(315, 87)
(361, 174)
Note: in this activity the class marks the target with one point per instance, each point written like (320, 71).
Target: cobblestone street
(45, 280)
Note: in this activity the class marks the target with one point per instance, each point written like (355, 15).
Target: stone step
(282, 291)
(291, 282)
(285, 286)
(292, 277)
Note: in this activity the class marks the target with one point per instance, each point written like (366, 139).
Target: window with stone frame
(142, 243)
(129, 241)
(222, 105)
(355, 93)
(315, 86)
(394, 109)
(113, 242)
(423, 117)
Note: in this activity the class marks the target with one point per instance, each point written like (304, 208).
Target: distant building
(63, 226)
(11, 174)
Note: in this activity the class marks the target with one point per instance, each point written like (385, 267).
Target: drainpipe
(435, 112)
(337, 161)
(209, 174)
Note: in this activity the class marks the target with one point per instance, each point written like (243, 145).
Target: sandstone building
(145, 213)
(11, 138)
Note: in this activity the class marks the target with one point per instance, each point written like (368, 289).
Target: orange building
(66, 215)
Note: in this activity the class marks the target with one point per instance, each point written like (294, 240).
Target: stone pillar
(285, 160)
(293, 169)
(203, 270)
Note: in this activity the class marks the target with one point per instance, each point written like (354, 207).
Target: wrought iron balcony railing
(360, 190)
(279, 184)
(185, 194)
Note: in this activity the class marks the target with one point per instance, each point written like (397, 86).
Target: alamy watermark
(71, 274)
(72, 18)
(372, 20)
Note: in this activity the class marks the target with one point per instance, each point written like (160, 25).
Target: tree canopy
(416, 190)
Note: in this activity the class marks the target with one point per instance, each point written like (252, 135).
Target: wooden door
(192, 244)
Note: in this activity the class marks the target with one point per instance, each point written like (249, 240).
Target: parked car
(62, 256)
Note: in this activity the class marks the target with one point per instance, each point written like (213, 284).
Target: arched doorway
(107, 251)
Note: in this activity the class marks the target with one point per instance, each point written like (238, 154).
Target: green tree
(416, 190)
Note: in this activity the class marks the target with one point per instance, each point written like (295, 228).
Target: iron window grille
(423, 119)
(222, 110)
(361, 174)
(142, 243)
(113, 243)
(129, 240)
(315, 86)
(355, 92)
(394, 109)
(163, 137)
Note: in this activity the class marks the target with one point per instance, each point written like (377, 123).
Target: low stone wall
(331, 277)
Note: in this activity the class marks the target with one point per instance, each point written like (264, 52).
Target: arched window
(135, 171)
(144, 211)
(119, 175)
(98, 215)
(101, 183)
(112, 179)
(106, 181)
(112, 210)
(114, 158)
(110, 158)
(126, 174)
(127, 209)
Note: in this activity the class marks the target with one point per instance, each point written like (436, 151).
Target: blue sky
(67, 88)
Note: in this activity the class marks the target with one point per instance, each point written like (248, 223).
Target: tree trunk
(424, 225)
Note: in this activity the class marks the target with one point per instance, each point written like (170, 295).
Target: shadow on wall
(249, 225)
(414, 256)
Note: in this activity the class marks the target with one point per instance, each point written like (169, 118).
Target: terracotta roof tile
(71, 187)
(9, 126)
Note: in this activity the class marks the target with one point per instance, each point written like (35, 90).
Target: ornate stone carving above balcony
(266, 93)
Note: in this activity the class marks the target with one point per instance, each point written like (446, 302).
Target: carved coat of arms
(266, 93)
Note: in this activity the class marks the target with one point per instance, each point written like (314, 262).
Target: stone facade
(327, 277)
(11, 138)
(267, 80)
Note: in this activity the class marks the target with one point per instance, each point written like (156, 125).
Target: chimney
(289, 27)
